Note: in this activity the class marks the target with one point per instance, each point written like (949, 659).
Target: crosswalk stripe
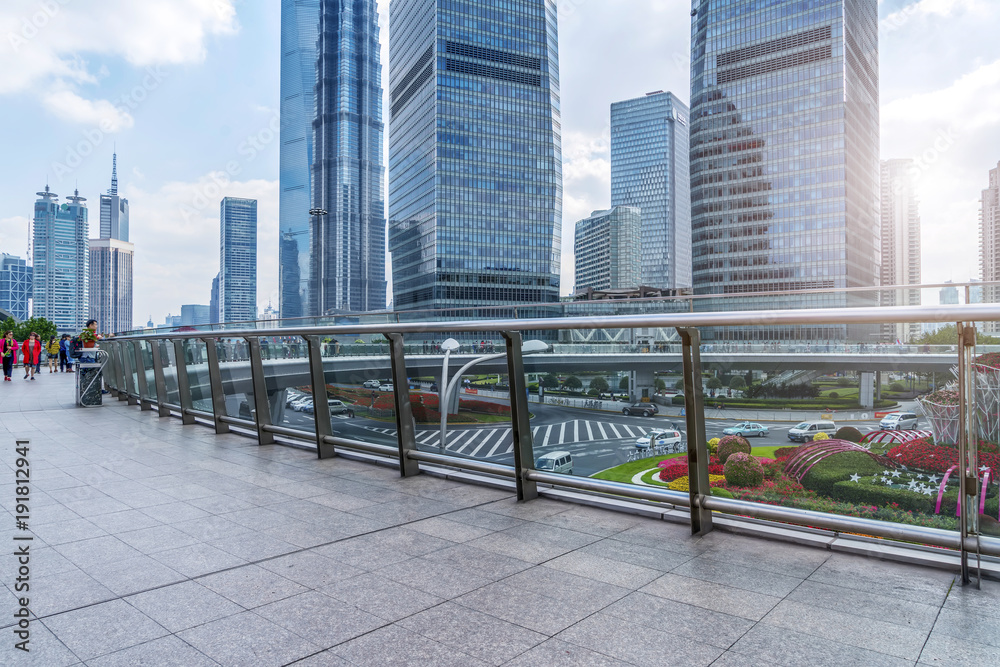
(427, 436)
(590, 432)
(562, 433)
(628, 430)
(472, 437)
(534, 431)
(576, 430)
(600, 427)
(482, 444)
(615, 431)
(496, 446)
(548, 432)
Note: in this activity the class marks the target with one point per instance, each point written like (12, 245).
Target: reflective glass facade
(649, 169)
(608, 249)
(15, 286)
(299, 32)
(59, 259)
(111, 284)
(237, 259)
(785, 154)
(475, 156)
(347, 265)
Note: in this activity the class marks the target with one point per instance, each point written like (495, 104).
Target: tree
(44, 328)
(737, 383)
(600, 384)
(623, 383)
(573, 383)
(714, 383)
(679, 385)
(659, 384)
(549, 381)
(949, 336)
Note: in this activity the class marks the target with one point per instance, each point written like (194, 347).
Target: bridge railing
(379, 402)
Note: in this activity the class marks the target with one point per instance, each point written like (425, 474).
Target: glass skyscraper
(475, 155)
(111, 263)
(237, 259)
(299, 32)
(347, 263)
(785, 156)
(15, 286)
(649, 169)
(59, 259)
(608, 249)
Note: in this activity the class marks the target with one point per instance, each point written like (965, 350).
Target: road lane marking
(562, 433)
(576, 430)
(548, 432)
(628, 430)
(590, 431)
(615, 431)
(600, 427)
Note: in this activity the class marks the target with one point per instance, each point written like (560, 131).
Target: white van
(561, 462)
(805, 431)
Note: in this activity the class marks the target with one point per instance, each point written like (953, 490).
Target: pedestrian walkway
(161, 544)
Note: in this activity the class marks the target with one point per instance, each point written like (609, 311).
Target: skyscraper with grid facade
(111, 263)
(649, 169)
(785, 156)
(475, 157)
(989, 243)
(237, 259)
(900, 244)
(59, 259)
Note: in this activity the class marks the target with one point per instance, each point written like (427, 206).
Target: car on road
(560, 461)
(337, 407)
(372, 384)
(898, 421)
(644, 409)
(385, 387)
(806, 431)
(659, 439)
(747, 428)
(300, 404)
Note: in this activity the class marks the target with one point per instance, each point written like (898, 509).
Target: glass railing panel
(128, 359)
(196, 358)
(234, 367)
(146, 355)
(169, 361)
(289, 385)
(359, 388)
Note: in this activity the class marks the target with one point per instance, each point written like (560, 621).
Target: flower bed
(942, 409)
(922, 455)
(678, 467)
(683, 484)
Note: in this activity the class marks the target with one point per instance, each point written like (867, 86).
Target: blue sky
(188, 91)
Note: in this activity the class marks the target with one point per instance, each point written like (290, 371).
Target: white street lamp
(447, 388)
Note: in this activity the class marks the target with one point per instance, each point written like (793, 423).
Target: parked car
(807, 430)
(372, 384)
(659, 439)
(747, 428)
(644, 409)
(337, 407)
(385, 387)
(300, 405)
(560, 461)
(898, 421)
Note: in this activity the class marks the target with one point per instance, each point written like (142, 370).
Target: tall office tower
(989, 244)
(649, 169)
(475, 155)
(59, 259)
(193, 315)
(111, 258)
(237, 259)
(608, 248)
(15, 286)
(785, 158)
(948, 296)
(347, 264)
(213, 304)
(299, 32)
(900, 244)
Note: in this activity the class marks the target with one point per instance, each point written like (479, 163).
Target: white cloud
(972, 101)
(68, 106)
(176, 234)
(13, 235)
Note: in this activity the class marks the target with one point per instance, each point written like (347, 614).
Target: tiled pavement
(159, 544)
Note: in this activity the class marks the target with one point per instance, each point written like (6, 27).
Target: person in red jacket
(8, 350)
(31, 352)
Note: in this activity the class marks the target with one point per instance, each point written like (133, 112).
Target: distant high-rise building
(785, 158)
(213, 304)
(237, 259)
(649, 169)
(608, 249)
(900, 244)
(149, 324)
(347, 263)
(989, 243)
(193, 315)
(15, 286)
(299, 34)
(948, 296)
(475, 153)
(111, 258)
(59, 259)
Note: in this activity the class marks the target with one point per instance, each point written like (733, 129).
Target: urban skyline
(111, 262)
(892, 29)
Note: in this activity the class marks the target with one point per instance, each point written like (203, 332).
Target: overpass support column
(697, 449)
(644, 383)
(866, 390)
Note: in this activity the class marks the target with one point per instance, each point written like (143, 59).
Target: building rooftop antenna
(114, 172)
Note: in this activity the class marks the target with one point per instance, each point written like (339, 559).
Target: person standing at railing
(31, 355)
(8, 350)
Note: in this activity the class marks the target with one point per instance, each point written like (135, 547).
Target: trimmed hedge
(838, 468)
(741, 469)
(848, 433)
(731, 444)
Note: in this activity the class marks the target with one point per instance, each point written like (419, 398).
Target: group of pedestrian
(30, 350)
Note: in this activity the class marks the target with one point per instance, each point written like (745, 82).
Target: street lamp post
(319, 257)
(447, 388)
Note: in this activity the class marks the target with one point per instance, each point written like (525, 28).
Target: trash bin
(90, 381)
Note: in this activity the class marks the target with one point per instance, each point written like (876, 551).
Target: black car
(434, 387)
(644, 409)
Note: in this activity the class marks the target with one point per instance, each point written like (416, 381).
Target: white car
(337, 407)
(372, 384)
(385, 387)
(301, 404)
(898, 421)
(659, 439)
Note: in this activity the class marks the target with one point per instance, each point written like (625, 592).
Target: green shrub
(677, 400)
(838, 468)
(848, 433)
(864, 492)
(782, 452)
(897, 387)
(741, 469)
(833, 394)
(721, 493)
(713, 447)
(844, 382)
(731, 444)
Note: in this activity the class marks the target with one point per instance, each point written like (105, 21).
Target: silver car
(899, 421)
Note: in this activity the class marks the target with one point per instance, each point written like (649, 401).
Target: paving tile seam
(936, 617)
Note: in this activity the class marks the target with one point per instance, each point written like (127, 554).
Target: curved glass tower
(475, 156)
(785, 156)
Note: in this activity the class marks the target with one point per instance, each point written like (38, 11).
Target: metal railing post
(524, 458)
(131, 392)
(262, 409)
(405, 429)
(159, 379)
(697, 449)
(140, 374)
(321, 409)
(968, 460)
(110, 374)
(215, 380)
(183, 383)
